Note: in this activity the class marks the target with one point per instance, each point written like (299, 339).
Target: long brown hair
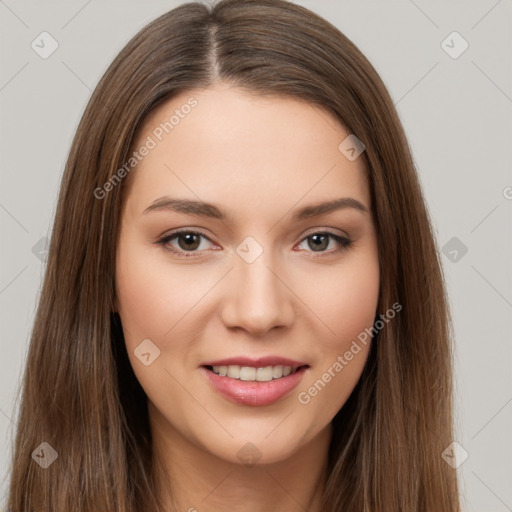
(79, 393)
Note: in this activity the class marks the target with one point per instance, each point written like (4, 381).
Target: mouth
(251, 373)
(254, 385)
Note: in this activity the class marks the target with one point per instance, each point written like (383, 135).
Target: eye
(188, 241)
(319, 241)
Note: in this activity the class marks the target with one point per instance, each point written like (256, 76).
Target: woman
(243, 307)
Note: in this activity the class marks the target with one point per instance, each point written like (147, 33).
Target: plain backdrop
(456, 107)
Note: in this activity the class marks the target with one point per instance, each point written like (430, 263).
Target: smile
(249, 373)
(254, 386)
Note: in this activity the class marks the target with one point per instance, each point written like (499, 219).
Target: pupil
(320, 244)
(190, 240)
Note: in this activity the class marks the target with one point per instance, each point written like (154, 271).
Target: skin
(259, 159)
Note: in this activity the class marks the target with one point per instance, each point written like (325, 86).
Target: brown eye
(319, 242)
(188, 243)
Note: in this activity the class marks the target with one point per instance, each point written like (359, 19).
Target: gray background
(457, 113)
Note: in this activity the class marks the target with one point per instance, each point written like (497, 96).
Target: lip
(260, 362)
(254, 393)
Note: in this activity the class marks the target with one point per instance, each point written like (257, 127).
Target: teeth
(277, 371)
(264, 374)
(234, 371)
(249, 373)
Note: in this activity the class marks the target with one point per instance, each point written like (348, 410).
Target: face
(255, 284)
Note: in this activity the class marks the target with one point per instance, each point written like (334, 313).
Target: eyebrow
(204, 209)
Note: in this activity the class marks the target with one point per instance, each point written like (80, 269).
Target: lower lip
(254, 392)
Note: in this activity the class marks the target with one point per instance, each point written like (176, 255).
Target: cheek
(155, 302)
(350, 307)
(152, 298)
(141, 300)
(357, 301)
(349, 298)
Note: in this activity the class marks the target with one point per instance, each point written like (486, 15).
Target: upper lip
(260, 362)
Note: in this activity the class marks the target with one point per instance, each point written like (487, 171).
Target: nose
(257, 297)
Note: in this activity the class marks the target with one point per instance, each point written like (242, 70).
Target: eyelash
(344, 243)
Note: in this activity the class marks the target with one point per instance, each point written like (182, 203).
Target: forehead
(252, 152)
